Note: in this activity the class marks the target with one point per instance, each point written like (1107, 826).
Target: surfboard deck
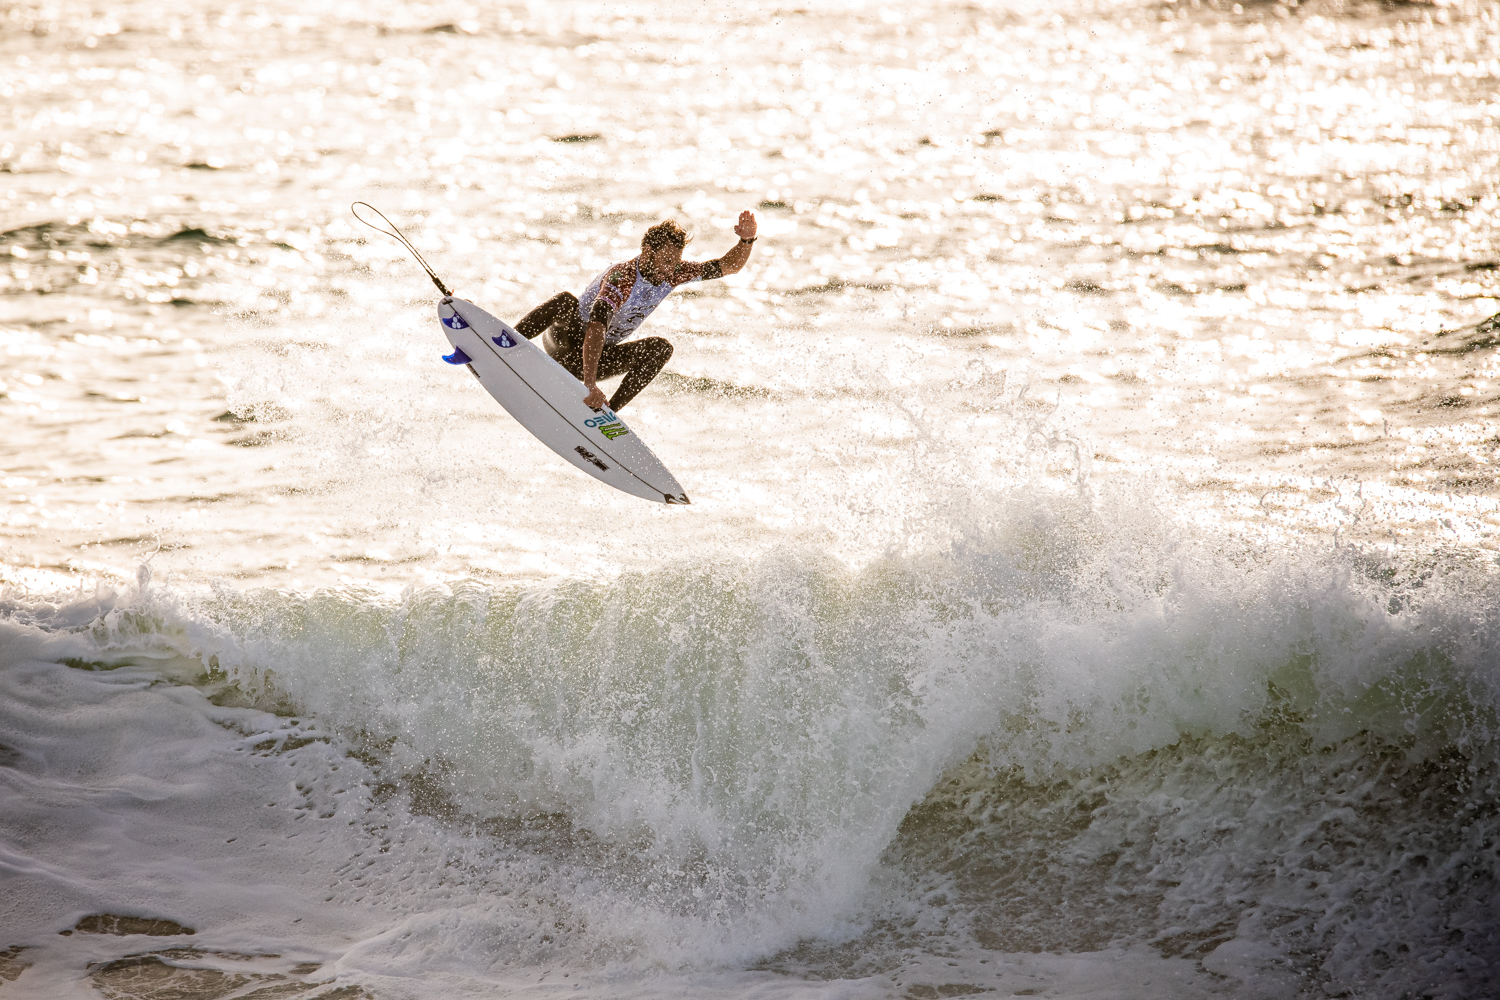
(547, 400)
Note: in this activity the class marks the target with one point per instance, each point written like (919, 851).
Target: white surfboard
(548, 401)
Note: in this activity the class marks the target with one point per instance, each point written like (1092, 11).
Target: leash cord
(393, 231)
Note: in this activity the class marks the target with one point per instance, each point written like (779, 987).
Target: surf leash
(393, 231)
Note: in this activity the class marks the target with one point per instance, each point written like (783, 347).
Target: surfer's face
(659, 262)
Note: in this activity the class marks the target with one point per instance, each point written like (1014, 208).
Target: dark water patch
(1471, 482)
(189, 974)
(967, 332)
(43, 235)
(1458, 206)
(1195, 943)
(369, 560)
(197, 235)
(1333, 856)
(1481, 336)
(257, 440)
(930, 991)
(93, 665)
(189, 954)
(578, 137)
(774, 206)
(111, 923)
(203, 165)
(1259, 11)
(1408, 260)
(225, 692)
(1295, 832)
(427, 793)
(260, 412)
(1321, 446)
(1201, 249)
(831, 285)
(836, 284)
(97, 235)
(128, 435)
(182, 669)
(12, 964)
(702, 385)
(1086, 287)
(877, 952)
(285, 743)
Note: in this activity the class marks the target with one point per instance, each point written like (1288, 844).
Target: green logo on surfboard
(607, 424)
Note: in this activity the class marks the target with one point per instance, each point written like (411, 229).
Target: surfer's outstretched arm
(739, 254)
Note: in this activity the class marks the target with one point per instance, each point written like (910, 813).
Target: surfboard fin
(680, 498)
(458, 357)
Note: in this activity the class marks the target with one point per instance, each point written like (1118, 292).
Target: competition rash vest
(621, 298)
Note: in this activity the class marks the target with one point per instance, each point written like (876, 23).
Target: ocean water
(1089, 589)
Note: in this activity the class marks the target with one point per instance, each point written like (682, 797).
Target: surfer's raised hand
(745, 228)
(739, 254)
(595, 399)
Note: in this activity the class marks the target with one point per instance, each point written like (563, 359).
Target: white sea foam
(703, 765)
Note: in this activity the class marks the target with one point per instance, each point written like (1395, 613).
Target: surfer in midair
(586, 333)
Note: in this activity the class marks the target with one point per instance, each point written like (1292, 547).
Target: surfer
(585, 334)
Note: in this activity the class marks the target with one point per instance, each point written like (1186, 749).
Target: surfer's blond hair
(666, 233)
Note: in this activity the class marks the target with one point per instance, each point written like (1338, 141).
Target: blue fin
(458, 357)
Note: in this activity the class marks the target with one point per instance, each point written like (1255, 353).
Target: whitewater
(1089, 589)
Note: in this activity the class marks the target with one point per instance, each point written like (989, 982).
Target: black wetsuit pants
(638, 360)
